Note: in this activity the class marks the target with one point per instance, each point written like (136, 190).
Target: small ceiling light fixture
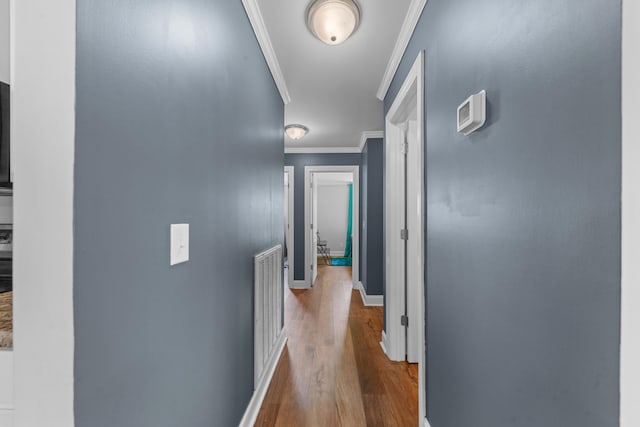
(333, 21)
(296, 131)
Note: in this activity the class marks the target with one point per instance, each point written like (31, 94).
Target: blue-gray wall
(178, 120)
(523, 217)
(372, 221)
(299, 161)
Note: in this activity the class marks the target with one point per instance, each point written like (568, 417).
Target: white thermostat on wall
(472, 113)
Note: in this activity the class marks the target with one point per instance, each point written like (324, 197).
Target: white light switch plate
(179, 243)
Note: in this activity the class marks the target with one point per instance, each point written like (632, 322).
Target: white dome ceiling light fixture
(296, 131)
(333, 21)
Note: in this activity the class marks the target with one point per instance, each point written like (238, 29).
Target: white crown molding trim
(406, 31)
(260, 30)
(370, 135)
(322, 150)
(251, 413)
(370, 300)
(299, 284)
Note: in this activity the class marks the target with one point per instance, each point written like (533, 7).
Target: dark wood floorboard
(333, 371)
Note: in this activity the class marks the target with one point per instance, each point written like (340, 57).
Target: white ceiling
(333, 88)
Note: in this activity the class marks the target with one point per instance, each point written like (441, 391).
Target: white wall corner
(253, 408)
(260, 29)
(406, 31)
(369, 135)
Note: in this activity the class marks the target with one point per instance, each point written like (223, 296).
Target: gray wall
(299, 161)
(523, 217)
(178, 120)
(372, 220)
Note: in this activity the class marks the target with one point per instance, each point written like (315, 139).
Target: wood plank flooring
(6, 320)
(333, 371)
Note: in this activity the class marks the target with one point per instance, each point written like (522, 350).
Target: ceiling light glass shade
(333, 21)
(296, 131)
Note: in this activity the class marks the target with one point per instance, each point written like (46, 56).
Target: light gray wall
(5, 70)
(178, 120)
(333, 210)
(523, 217)
(299, 161)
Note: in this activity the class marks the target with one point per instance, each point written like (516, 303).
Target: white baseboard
(251, 413)
(426, 423)
(370, 300)
(383, 343)
(298, 284)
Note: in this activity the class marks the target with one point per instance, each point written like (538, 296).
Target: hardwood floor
(6, 320)
(333, 371)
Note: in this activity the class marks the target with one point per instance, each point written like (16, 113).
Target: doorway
(404, 336)
(314, 237)
(289, 252)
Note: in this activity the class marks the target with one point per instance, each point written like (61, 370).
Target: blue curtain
(347, 246)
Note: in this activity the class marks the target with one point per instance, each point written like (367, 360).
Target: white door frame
(410, 98)
(43, 248)
(630, 245)
(355, 228)
(289, 170)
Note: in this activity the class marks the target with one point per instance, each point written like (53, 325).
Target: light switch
(179, 243)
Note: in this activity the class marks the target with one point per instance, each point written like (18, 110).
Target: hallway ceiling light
(333, 21)
(296, 131)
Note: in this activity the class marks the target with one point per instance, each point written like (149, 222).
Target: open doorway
(331, 219)
(404, 337)
(288, 253)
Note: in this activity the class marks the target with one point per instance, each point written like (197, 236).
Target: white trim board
(251, 413)
(406, 31)
(369, 135)
(370, 300)
(289, 234)
(299, 284)
(260, 29)
(630, 286)
(355, 227)
(43, 252)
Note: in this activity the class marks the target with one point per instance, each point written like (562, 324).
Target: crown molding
(336, 150)
(370, 135)
(406, 31)
(322, 150)
(260, 30)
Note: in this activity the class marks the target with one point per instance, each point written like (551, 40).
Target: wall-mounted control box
(472, 113)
